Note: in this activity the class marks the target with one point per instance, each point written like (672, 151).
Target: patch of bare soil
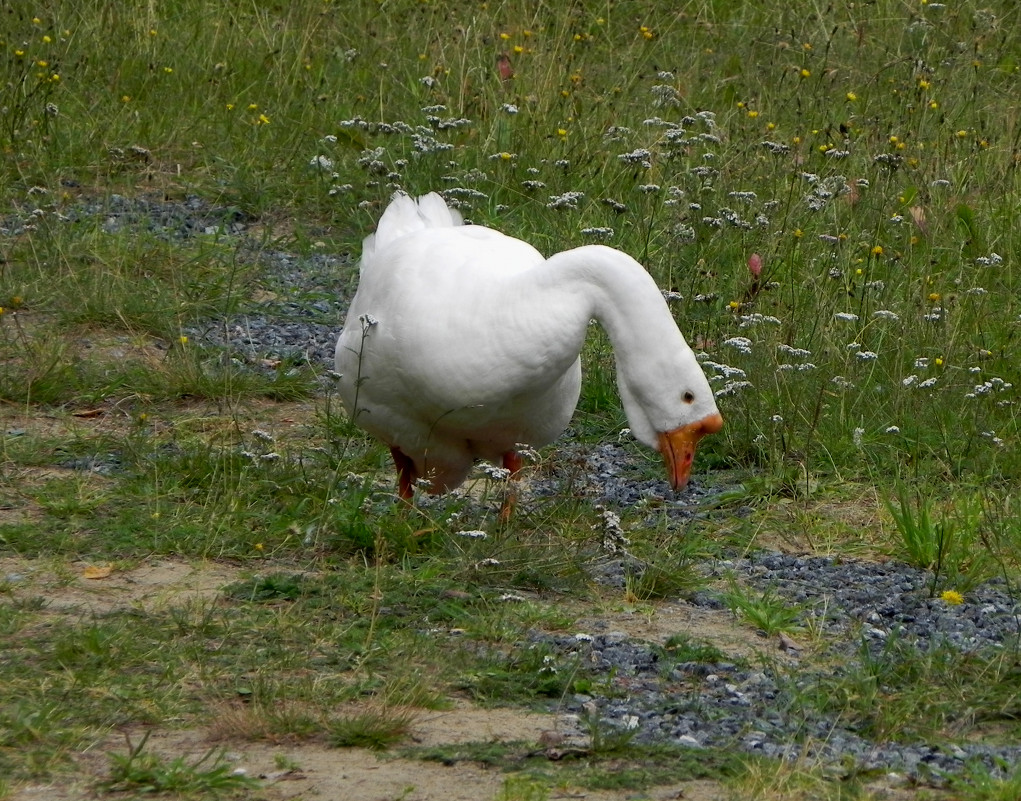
(319, 771)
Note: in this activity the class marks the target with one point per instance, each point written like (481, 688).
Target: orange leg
(511, 461)
(407, 475)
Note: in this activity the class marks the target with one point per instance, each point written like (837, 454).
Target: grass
(863, 156)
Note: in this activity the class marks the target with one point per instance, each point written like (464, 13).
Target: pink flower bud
(755, 264)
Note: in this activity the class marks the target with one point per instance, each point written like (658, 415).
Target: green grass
(867, 153)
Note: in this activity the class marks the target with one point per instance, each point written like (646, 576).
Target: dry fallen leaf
(97, 571)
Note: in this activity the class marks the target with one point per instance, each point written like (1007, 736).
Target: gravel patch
(854, 605)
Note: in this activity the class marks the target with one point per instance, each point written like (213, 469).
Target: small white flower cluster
(568, 200)
(473, 534)
(993, 385)
(495, 473)
(749, 320)
(641, 156)
(598, 233)
(741, 344)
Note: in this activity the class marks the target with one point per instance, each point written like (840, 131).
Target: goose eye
(688, 397)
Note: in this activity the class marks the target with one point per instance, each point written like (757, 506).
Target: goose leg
(511, 461)
(406, 473)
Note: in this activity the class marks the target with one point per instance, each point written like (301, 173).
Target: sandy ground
(322, 772)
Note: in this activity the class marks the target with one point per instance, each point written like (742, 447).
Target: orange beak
(678, 447)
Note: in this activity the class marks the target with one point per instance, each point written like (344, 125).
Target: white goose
(462, 343)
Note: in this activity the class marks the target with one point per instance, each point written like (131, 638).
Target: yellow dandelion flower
(901, 145)
(952, 597)
(561, 132)
(933, 105)
(938, 362)
(230, 107)
(577, 37)
(893, 140)
(806, 73)
(806, 46)
(877, 250)
(798, 233)
(125, 98)
(526, 33)
(253, 106)
(961, 134)
(770, 126)
(55, 77)
(923, 84)
(19, 53)
(263, 119)
(47, 40)
(851, 97)
(734, 304)
(183, 339)
(506, 156)
(518, 49)
(36, 21)
(796, 140)
(505, 36)
(259, 546)
(934, 296)
(42, 63)
(859, 271)
(152, 31)
(753, 114)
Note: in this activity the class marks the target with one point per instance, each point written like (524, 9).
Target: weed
(766, 612)
(376, 729)
(144, 772)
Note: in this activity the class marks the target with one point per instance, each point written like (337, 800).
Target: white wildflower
(731, 388)
(797, 353)
(496, 473)
(742, 344)
(849, 317)
(473, 534)
(568, 200)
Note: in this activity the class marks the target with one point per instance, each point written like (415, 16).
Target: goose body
(462, 343)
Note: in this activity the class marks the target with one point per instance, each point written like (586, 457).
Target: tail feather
(405, 215)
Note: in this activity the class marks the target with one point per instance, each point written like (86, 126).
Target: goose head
(669, 405)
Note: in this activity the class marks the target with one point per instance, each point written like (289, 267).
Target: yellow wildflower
(877, 250)
(805, 73)
(952, 597)
(851, 96)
